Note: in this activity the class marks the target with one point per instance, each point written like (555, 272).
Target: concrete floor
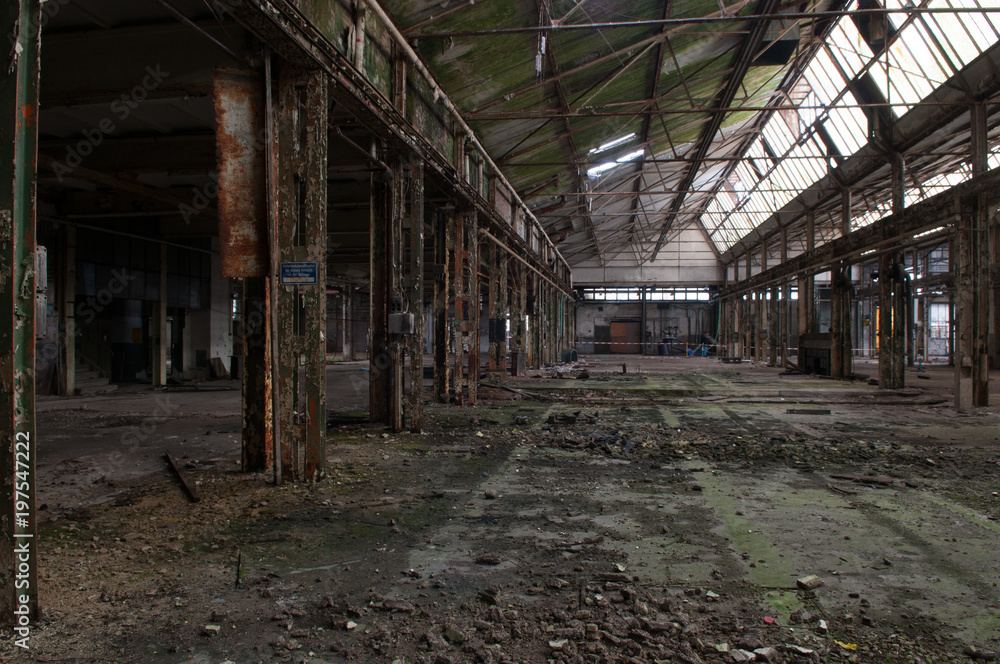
(686, 493)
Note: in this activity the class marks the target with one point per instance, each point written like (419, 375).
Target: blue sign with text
(299, 273)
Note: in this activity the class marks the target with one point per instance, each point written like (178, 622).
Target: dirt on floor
(688, 511)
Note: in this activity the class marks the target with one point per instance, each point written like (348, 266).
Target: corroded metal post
(467, 306)
(494, 256)
(970, 267)
(301, 122)
(475, 308)
(840, 321)
(258, 449)
(382, 184)
(415, 293)
(518, 338)
(159, 341)
(444, 239)
(18, 155)
(67, 314)
(773, 334)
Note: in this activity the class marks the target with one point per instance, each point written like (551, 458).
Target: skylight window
(610, 145)
(600, 169)
(798, 146)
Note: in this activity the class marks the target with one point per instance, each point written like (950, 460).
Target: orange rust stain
(30, 114)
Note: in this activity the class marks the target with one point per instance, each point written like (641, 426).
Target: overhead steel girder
(292, 34)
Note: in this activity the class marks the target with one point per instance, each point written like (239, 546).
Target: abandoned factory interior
(500, 331)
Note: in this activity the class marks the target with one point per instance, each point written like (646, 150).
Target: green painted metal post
(18, 156)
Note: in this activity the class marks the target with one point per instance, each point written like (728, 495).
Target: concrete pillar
(444, 239)
(18, 439)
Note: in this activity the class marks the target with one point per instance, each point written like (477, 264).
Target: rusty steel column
(415, 293)
(773, 334)
(503, 311)
(159, 340)
(518, 337)
(785, 311)
(467, 305)
(67, 313)
(476, 306)
(395, 264)
(840, 321)
(970, 268)
(444, 238)
(349, 313)
(494, 257)
(535, 321)
(18, 155)
(240, 111)
(461, 305)
(301, 123)
(382, 184)
(258, 449)
(885, 321)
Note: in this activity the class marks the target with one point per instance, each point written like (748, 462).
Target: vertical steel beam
(350, 295)
(503, 311)
(461, 305)
(785, 312)
(476, 304)
(444, 238)
(397, 271)
(258, 421)
(159, 340)
(18, 155)
(517, 312)
(67, 310)
(836, 322)
(885, 374)
(970, 265)
(494, 257)
(468, 302)
(415, 293)
(300, 180)
(773, 334)
(382, 184)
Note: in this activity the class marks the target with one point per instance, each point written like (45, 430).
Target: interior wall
(680, 322)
